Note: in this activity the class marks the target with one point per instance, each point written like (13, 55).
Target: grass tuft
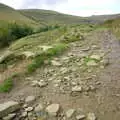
(49, 54)
(6, 86)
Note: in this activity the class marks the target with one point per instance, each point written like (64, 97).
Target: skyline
(73, 7)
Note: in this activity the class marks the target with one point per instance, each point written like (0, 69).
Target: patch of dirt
(100, 85)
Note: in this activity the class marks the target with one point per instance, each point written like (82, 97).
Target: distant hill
(51, 17)
(8, 14)
(103, 18)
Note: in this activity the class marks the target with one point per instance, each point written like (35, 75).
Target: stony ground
(82, 84)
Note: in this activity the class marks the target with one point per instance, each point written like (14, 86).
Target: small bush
(6, 86)
(47, 28)
(13, 31)
(19, 31)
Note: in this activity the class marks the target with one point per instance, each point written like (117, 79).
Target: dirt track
(103, 98)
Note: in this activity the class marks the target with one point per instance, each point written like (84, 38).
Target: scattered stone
(9, 117)
(29, 109)
(105, 62)
(91, 63)
(77, 89)
(42, 84)
(34, 83)
(96, 57)
(55, 63)
(80, 117)
(30, 99)
(91, 116)
(28, 54)
(86, 49)
(45, 48)
(70, 113)
(24, 114)
(8, 107)
(53, 109)
(39, 108)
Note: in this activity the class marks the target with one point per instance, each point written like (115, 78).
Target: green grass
(6, 86)
(88, 59)
(49, 54)
(11, 15)
(114, 26)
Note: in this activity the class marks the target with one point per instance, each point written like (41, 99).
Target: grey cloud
(28, 3)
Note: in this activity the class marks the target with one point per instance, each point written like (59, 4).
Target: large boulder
(8, 107)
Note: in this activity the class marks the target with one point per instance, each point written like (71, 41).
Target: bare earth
(100, 85)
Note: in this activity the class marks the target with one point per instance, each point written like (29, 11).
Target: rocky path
(82, 84)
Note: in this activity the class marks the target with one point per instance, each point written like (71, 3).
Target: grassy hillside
(51, 17)
(103, 18)
(9, 14)
(114, 25)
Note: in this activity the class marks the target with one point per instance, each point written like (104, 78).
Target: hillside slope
(9, 14)
(50, 17)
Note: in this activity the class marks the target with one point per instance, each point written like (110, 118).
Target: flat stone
(97, 57)
(70, 113)
(80, 117)
(8, 107)
(39, 108)
(55, 63)
(42, 84)
(77, 89)
(34, 83)
(91, 116)
(28, 54)
(30, 99)
(10, 117)
(29, 109)
(24, 114)
(53, 109)
(45, 48)
(91, 63)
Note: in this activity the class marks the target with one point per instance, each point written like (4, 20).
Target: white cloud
(75, 7)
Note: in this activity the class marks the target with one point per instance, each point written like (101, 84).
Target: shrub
(47, 28)
(6, 86)
(19, 31)
(13, 31)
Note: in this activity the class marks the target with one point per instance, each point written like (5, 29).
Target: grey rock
(9, 117)
(53, 109)
(29, 109)
(55, 63)
(96, 57)
(91, 63)
(30, 99)
(91, 116)
(8, 107)
(80, 117)
(42, 84)
(39, 108)
(70, 113)
(77, 89)
(24, 114)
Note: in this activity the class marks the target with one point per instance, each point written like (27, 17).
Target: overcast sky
(74, 7)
